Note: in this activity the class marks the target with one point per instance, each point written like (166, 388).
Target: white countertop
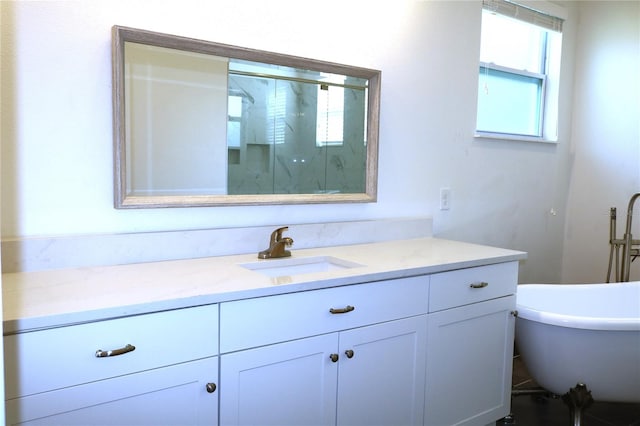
(51, 298)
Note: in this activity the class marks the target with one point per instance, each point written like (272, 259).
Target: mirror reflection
(209, 124)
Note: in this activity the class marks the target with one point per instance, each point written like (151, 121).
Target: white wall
(605, 147)
(57, 138)
(2, 415)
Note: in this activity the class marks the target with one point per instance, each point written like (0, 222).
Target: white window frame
(550, 17)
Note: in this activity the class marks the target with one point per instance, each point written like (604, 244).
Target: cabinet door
(469, 363)
(382, 373)
(291, 383)
(175, 395)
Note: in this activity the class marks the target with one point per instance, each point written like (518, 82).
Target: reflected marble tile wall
(280, 147)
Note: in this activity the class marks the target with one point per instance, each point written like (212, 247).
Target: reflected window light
(330, 121)
(234, 111)
(277, 114)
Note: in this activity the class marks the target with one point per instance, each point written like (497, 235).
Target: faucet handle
(277, 234)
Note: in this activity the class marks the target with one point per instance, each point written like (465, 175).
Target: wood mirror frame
(122, 199)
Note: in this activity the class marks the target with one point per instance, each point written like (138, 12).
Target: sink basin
(298, 265)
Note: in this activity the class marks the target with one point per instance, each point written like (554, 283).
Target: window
(330, 119)
(518, 72)
(277, 112)
(234, 121)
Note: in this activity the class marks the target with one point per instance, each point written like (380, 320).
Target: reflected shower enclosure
(294, 131)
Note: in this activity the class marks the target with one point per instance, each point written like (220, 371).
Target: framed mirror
(198, 123)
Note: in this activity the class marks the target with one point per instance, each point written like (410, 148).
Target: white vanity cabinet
(470, 345)
(423, 336)
(162, 369)
(288, 360)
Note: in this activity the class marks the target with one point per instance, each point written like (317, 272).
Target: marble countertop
(52, 298)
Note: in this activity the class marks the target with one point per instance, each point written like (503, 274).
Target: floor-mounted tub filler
(620, 263)
(581, 341)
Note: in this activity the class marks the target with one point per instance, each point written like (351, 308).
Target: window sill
(509, 137)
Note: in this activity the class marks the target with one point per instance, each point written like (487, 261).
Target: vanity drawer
(472, 285)
(56, 358)
(261, 321)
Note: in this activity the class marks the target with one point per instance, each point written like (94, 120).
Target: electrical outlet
(445, 198)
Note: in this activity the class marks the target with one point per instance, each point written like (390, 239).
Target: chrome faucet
(277, 245)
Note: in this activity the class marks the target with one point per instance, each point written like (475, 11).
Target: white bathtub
(583, 333)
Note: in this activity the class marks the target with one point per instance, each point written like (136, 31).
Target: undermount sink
(299, 265)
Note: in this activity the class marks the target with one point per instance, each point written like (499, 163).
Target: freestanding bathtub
(587, 334)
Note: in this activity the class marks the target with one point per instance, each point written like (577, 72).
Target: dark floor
(541, 410)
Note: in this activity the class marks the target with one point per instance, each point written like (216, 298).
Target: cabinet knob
(334, 357)
(211, 387)
(344, 310)
(349, 353)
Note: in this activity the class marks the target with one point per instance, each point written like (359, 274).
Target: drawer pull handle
(334, 357)
(344, 310)
(211, 387)
(349, 353)
(101, 354)
(479, 285)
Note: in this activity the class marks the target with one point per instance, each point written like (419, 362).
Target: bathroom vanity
(404, 332)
